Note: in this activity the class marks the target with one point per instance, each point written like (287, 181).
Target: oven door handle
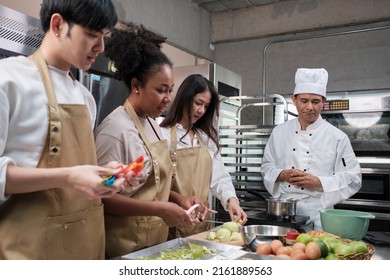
(366, 170)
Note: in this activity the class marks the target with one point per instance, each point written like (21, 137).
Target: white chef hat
(311, 80)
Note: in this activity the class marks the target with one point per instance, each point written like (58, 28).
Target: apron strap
(199, 138)
(133, 115)
(53, 110)
(173, 150)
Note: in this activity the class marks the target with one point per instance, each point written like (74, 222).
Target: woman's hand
(132, 179)
(174, 215)
(235, 211)
(201, 212)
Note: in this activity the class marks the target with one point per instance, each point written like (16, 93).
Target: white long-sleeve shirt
(221, 185)
(23, 111)
(321, 150)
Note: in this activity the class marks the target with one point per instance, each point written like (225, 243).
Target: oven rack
(242, 146)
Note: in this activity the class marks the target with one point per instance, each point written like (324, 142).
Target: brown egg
(299, 245)
(284, 250)
(264, 249)
(296, 251)
(312, 251)
(283, 256)
(298, 255)
(275, 245)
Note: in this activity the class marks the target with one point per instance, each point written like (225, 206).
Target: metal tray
(224, 252)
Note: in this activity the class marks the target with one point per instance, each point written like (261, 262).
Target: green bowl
(346, 223)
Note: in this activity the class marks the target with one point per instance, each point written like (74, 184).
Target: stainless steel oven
(365, 117)
(374, 194)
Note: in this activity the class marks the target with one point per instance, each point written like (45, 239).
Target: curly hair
(135, 52)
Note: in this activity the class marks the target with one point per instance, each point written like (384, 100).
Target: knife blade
(215, 222)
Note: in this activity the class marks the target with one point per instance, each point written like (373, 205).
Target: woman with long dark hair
(198, 167)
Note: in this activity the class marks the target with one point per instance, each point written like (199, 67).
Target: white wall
(30, 7)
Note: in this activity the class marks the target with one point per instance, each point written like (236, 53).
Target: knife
(215, 222)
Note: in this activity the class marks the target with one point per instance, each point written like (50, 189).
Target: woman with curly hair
(140, 218)
(190, 125)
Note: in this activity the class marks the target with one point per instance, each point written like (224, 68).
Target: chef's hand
(235, 211)
(174, 215)
(285, 175)
(303, 179)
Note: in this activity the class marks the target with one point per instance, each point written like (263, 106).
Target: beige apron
(125, 234)
(57, 223)
(191, 177)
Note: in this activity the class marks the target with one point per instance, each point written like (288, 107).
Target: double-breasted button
(294, 149)
(55, 129)
(54, 149)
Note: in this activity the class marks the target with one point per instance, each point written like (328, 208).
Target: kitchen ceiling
(215, 6)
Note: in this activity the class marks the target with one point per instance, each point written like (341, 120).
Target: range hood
(20, 34)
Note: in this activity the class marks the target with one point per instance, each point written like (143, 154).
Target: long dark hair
(182, 106)
(136, 52)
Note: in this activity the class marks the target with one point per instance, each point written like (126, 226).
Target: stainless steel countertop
(381, 252)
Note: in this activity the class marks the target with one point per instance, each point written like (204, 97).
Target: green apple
(331, 256)
(304, 238)
(359, 246)
(343, 249)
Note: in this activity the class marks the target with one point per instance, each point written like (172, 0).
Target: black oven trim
(383, 174)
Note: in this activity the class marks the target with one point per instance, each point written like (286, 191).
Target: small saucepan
(282, 208)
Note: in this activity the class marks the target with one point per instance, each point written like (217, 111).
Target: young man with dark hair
(50, 186)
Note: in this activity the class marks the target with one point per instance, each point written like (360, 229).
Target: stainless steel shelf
(242, 149)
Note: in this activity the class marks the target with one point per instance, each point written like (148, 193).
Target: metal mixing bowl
(254, 235)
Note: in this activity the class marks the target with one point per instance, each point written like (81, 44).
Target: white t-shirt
(23, 110)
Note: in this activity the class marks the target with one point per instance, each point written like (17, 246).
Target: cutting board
(203, 236)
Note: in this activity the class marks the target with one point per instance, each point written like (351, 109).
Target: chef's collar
(312, 126)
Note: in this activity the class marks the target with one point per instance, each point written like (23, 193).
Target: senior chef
(316, 164)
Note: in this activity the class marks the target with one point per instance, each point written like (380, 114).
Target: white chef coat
(23, 111)
(321, 150)
(221, 185)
